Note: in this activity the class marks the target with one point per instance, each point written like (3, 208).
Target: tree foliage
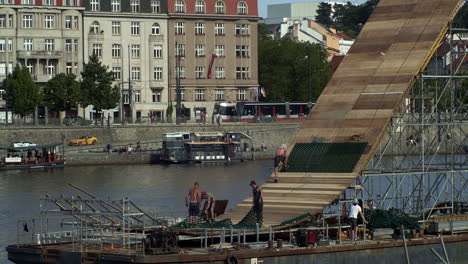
(23, 95)
(286, 68)
(347, 18)
(62, 92)
(96, 86)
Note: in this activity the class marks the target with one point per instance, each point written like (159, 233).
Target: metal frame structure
(422, 165)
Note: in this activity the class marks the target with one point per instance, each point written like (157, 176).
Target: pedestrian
(281, 155)
(192, 201)
(129, 149)
(108, 148)
(355, 210)
(209, 205)
(257, 201)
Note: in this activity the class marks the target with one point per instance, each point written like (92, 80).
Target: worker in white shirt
(355, 210)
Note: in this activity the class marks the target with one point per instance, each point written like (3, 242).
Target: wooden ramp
(358, 102)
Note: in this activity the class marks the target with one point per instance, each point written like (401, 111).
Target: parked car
(86, 140)
(76, 121)
(23, 144)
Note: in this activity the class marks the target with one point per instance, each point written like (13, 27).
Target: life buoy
(232, 260)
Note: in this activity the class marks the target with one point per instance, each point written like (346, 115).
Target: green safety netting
(325, 157)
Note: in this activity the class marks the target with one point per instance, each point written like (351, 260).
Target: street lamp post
(310, 77)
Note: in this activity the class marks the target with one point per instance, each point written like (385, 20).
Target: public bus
(260, 111)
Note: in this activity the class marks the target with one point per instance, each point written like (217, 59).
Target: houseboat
(32, 156)
(183, 147)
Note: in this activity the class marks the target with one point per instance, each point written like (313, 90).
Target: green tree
(290, 70)
(62, 92)
(23, 95)
(324, 12)
(263, 32)
(96, 86)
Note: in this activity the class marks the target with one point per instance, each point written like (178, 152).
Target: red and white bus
(261, 111)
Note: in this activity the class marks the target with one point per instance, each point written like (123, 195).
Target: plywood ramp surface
(370, 83)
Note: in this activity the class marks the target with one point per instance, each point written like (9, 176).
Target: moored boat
(32, 157)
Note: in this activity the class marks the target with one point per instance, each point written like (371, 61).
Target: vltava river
(155, 187)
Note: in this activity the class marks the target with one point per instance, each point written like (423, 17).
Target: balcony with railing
(39, 54)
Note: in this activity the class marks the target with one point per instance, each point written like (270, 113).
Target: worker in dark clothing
(257, 201)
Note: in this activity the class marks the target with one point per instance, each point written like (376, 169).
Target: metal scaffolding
(421, 167)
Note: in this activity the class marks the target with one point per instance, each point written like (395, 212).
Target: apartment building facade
(212, 52)
(130, 37)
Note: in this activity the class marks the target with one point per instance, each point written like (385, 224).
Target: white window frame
(48, 2)
(199, 28)
(49, 21)
(156, 29)
(116, 6)
(117, 73)
(135, 28)
(199, 95)
(179, 28)
(242, 8)
(179, 6)
(135, 50)
(156, 6)
(3, 45)
(27, 21)
(156, 95)
(180, 50)
(68, 67)
(68, 22)
(68, 45)
(180, 71)
(135, 6)
(219, 95)
(27, 2)
(220, 50)
(97, 49)
(158, 73)
(137, 96)
(49, 68)
(219, 73)
(242, 73)
(158, 51)
(219, 29)
(242, 29)
(116, 50)
(95, 5)
(242, 51)
(115, 28)
(49, 44)
(28, 44)
(95, 27)
(136, 74)
(241, 94)
(199, 50)
(200, 72)
(219, 7)
(200, 6)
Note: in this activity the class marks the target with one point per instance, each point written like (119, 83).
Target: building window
(219, 50)
(219, 7)
(219, 95)
(158, 73)
(242, 29)
(116, 50)
(49, 68)
(156, 95)
(125, 98)
(75, 45)
(135, 51)
(200, 6)
(115, 5)
(116, 71)
(241, 95)
(97, 50)
(26, 2)
(49, 21)
(135, 6)
(75, 68)
(68, 45)
(219, 28)
(242, 8)
(95, 28)
(10, 45)
(49, 44)
(242, 50)
(95, 5)
(2, 21)
(199, 72)
(242, 73)
(76, 22)
(180, 49)
(135, 28)
(219, 73)
(180, 6)
(27, 21)
(2, 45)
(30, 67)
(200, 50)
(156, 6)
(180, 71)
(135, 74)
(179, 28)
(28, 44)
(68, 22)
(137, 96)
(157, 51)
(115, 28)
(199, 94)
(199, 28)
(70, 3)
(48, 2)
(155, 29)
(68, 68)
(182, 94)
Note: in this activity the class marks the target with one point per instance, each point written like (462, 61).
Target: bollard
(244, 236)
(270, 235)
(257, 229)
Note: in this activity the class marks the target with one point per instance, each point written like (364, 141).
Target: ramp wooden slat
(392, 48)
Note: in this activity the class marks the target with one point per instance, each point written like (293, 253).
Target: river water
(160, 188)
